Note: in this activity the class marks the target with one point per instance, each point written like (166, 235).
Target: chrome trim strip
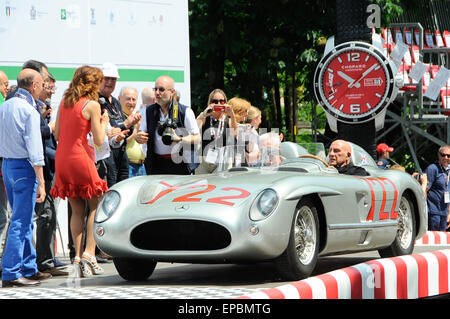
(363, 225)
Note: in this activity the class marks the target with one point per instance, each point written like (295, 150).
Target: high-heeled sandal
(90, 261)
(82, 270)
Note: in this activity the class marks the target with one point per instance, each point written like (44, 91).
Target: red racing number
(382, 182)
(190, 197)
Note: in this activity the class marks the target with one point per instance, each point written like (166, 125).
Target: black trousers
(166, 166)
(117, 166)
(45, 230)
(5, 212)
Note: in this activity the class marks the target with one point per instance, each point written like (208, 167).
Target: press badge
(211, 156)
(446, 197)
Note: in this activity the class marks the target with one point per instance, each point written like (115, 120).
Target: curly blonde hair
(85, 83)
(240, 107)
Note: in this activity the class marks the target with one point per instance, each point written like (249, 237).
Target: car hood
(228, 188)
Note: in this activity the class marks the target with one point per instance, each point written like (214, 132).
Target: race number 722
(196, 196)
(383, 183)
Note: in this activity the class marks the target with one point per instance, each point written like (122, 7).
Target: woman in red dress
(76, 176)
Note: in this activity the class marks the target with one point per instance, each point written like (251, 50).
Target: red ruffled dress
(75, 172)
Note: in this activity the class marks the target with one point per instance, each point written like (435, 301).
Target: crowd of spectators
(95, 141)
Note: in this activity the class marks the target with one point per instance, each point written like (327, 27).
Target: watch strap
(351, 25)
(362, 134)
(351, 21)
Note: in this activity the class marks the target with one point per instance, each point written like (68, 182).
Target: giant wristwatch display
(354, 82)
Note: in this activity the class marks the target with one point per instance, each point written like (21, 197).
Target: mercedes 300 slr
(290, 214)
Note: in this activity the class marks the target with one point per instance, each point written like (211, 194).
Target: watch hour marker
(341, 107)
(367, 58)
(339, 59)
(378, 95)
(368, 105)
(330, 70)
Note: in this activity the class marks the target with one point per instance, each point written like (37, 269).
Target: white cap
(110, 70)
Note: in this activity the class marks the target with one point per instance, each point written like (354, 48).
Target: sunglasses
(160, 89)
(445, 155)
(216, 101)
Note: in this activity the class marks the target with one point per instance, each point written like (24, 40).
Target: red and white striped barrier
(434, 238)
(405, 277)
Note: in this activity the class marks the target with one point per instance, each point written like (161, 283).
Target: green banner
(126, 75)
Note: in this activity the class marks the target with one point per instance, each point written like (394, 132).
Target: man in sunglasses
(438, 191)
(175, 155)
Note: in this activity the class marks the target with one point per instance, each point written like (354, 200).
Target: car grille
(180, 234)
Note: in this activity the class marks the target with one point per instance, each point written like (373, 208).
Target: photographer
(214, 120)
(169, 129)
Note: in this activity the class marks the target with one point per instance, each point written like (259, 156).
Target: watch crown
(398, 80)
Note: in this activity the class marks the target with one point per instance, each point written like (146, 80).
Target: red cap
(382, 147)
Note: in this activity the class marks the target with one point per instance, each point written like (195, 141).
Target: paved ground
(179, 281)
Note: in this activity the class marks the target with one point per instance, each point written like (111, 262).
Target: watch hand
(364, 75)
(347, 78)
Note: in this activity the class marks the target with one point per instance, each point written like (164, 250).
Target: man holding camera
(170, 131)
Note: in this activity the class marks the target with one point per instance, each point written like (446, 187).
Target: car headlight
(107, 206)
(264, 205)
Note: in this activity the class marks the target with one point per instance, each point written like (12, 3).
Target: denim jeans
(19, 257)
(137, 170)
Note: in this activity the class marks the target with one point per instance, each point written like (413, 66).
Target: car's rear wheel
(406, 233)
(300, 257)
(134, 269)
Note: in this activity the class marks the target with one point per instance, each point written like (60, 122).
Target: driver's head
(340, 153)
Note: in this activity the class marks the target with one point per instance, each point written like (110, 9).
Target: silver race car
(291, 214)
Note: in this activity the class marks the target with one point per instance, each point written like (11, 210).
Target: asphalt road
(247, 276)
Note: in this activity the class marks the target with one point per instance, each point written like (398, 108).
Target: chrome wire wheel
(300, 257)
(403, 243)
(405, 224)
(305, 233)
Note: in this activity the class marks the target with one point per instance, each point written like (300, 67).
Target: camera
(165, 130)
(219, 108)
(418, 177)
(48, 106)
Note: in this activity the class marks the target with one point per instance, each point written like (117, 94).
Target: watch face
(353, 82)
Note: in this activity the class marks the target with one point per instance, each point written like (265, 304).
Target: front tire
(300, 257)
(134, 269)
(406, 233)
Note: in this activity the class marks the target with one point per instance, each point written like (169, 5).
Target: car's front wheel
(134, 269)
(406, 232)
(300, 257)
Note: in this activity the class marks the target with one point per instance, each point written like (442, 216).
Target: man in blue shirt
(438, 191)
(23, 159)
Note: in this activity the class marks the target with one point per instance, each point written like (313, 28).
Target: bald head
(165, 90)
(30, 80)
(148, 96)
(4, 84)
(167, 80)
(340, 153)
